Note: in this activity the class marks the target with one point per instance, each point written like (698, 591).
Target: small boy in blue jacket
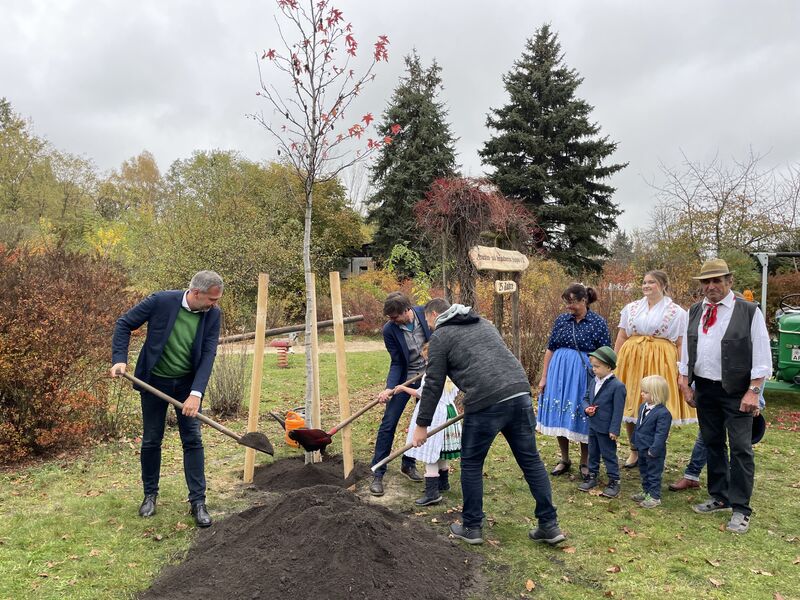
(604, 406)
(650, 438)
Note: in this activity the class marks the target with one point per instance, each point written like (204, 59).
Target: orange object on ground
(293, 421)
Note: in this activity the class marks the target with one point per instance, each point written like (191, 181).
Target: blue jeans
(698, 460)
(514, 419)
(154, 419)
(385, 438)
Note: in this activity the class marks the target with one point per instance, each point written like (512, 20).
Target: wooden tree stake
(258, 363)
(341, 370)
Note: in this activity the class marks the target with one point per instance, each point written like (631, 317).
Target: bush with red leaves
(58, 313)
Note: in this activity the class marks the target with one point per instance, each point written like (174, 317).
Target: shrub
(58, 314)
(227, 386)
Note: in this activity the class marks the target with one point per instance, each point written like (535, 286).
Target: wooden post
(255, 380)
(341, 371)
(515, 277)
(316, 416)
(498, 310)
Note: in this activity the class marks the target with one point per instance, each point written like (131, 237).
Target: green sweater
(176, 359)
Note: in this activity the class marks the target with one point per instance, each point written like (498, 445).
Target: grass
(69, 529)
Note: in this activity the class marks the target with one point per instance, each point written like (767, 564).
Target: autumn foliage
(58, 313)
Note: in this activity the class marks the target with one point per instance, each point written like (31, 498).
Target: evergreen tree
(406, 168)
(549, 155)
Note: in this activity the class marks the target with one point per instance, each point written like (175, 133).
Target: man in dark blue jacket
(177, 357)
(404, 335)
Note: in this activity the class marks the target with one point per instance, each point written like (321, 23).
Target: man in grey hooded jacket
(470, 351)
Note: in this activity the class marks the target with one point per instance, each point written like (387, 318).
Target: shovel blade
(257, 441)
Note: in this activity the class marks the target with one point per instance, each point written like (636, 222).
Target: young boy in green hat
(604, 407)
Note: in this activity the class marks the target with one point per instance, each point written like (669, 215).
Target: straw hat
(715, 267)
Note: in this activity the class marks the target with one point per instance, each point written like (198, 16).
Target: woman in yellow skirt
(648, 342)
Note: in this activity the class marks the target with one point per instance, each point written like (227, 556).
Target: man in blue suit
(404, 335)
(177, 357)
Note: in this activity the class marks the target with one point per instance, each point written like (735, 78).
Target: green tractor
(786, 347)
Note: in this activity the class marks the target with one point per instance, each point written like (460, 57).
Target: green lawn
(69, 528)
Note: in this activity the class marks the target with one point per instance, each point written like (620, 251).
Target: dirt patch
(318, 541)
(293, 474)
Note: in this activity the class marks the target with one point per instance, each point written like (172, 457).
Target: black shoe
(411, 473)
(589, 484)
(376, 487)
(444, 480)
(611, 490)
(547, 534)
(148, 507)
(432, 495)
(471, 535)
(200, 514)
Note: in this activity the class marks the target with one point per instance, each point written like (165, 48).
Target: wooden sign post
(486, 258)
(255, 380)
(341, 371)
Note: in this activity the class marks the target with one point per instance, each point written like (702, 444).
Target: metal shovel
(316, 439)
(254, 440)
(408, 447)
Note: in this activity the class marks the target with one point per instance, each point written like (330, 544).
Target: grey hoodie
(469, 350)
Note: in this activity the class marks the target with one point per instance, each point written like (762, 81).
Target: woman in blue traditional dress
(566, 374)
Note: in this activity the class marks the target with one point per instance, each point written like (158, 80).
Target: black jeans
(154, 419)
(385, 438)
(514, 419)
(721, 423)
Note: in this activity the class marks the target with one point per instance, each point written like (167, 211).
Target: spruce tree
(405, 169)
(549, 155)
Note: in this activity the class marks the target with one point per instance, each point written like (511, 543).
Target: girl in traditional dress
(649, 337)
(440, 447)
(566, 373)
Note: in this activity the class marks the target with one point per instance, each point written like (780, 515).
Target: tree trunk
(309, 308)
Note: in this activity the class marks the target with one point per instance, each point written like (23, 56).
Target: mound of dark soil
(292, 474)
(321, 542)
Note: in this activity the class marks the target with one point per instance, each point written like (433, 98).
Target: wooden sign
(505, 287)
(487, 258)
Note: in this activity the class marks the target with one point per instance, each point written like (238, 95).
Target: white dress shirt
(708, 363)
(599, 382)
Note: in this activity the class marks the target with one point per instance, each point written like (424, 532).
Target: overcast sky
(108, 79)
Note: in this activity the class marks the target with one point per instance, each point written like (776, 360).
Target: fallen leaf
(796, 561)
(434, 520)
(713, 563)
(778, 596)
(614, 569)
(760, 572)
(94, 552)
(612, 550)
(494, 543)
(714, 582)
(679, 536)
(566, 579)
(73, 557)
(568, 549)
(609, 594)
(93, 493)
(420, 514)
(721, 527)
(629, 531)
(158, 537)
(529, 585)
(43, 575)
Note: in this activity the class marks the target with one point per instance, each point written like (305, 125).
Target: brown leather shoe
(683, 484)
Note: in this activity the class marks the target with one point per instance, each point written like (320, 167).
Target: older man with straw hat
(726, 354)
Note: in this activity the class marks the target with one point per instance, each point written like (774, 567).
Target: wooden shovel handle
(200, 416)
(408, 447)
(361, 411)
